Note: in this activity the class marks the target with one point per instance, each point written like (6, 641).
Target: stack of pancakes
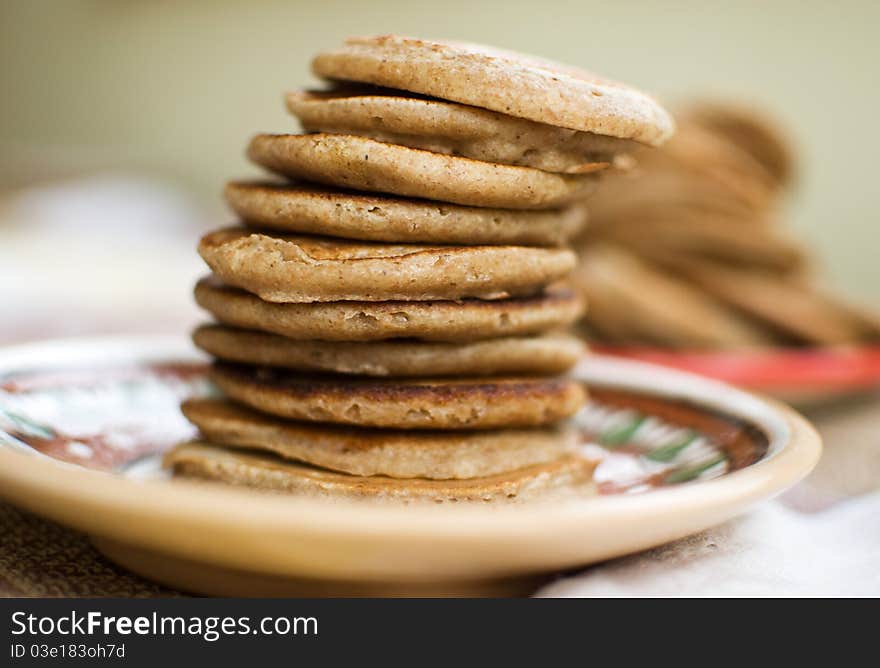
(687, 249)
(391, 318)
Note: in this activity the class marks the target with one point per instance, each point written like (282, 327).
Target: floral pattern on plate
(119, 418)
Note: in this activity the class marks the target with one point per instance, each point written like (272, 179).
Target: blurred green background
(173, 89)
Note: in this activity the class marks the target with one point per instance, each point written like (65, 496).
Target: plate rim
(844, 367)
(67, 493)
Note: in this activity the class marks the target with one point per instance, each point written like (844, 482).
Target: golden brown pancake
(438, 455)
(548, 354)
(466, 320)
(510, 83)
(422, 403)
(354, 162)
(320, 269)
(454, 129)
(207, 461)
(311, 209)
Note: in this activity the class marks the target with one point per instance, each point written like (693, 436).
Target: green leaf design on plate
(623, 434)
(691, 472)
(668, 452)
(27, 426)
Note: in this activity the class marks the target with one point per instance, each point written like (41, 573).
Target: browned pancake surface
(399, 454)
(464, 320)
(311, 209)
(402, 404)
(348, 161)
(301, 269)
(512, 83)
(207, 461)
(548, 354)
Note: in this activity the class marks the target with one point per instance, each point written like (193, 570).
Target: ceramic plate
(801, 376)
(83, 424)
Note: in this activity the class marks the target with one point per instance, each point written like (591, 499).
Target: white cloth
(773, 551)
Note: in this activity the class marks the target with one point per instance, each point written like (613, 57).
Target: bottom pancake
(479, 403)
(438, 455)
(206, 461)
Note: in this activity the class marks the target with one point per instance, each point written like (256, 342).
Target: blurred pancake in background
(688, 250)
(633, 303)
(752, 131)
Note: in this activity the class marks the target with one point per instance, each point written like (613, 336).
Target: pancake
(713, 236)
(791, 308)
(751, 131)
(206, 461)
(455, 129)
(656, 190)
(354, 162)
(467, 320)
(865, 319)
(696, 173)
(548, 354)
(422, 403)
(320, 269)
(438, 455)
(510, 83)
(702, 152)
(310, 209)
(633, 302)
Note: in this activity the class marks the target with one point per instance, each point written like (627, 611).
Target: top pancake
(503, 81)
(454, 129)
(348, 161)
